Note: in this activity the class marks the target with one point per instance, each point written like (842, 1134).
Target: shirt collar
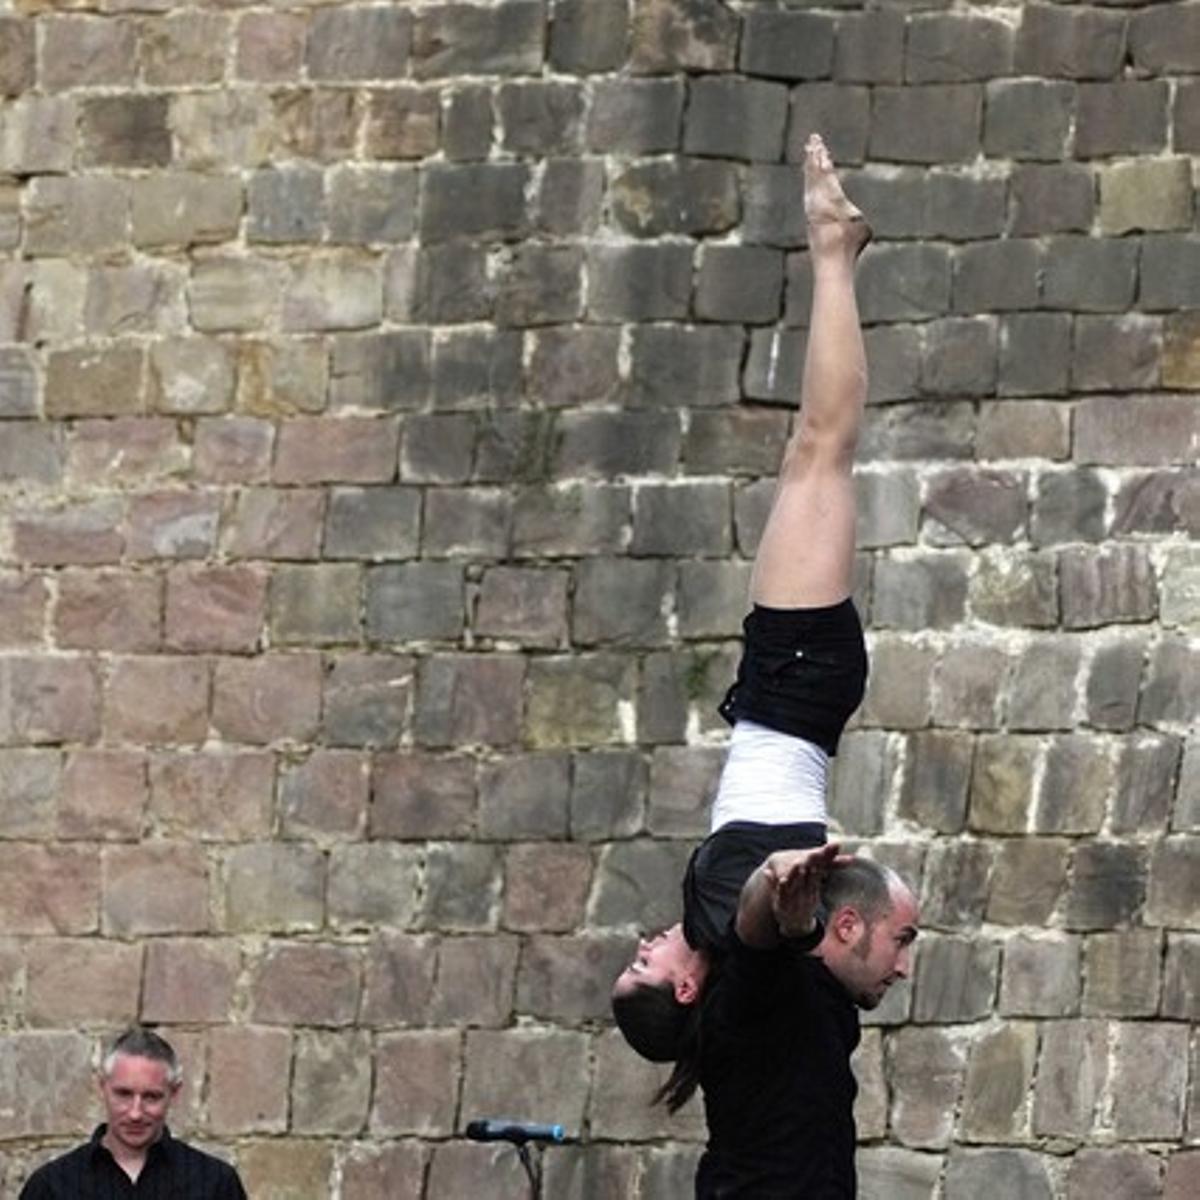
(162, 1146)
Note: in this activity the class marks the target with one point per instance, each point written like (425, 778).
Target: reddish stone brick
(273, 697)
(173, 525)
(1183, 1175)
(331, 1082)
(77, 533)
(157, 701)
(103, 795)
(466, 699)
(185, 47)
(421, 795)
(234, 449)
(1141, 430)
(248, 1071)
(86, 51)
(416, 1082)
(337, 450)
(219, 608)
(216, 795)
(399, 979)
(96, 381)
(269, 46)
(29, 783)
(49, 889)
(306, 984)
(475, 982)
(125, 451)
(286, 1168)
(325, 795)
(190, 980)
(87, 981)
(49, 700)
(546, 886)
(62, 1065)
(274, 886)
(117, 611)
(270, 523)
(384, 1171)
(155, 887)
(23, 602)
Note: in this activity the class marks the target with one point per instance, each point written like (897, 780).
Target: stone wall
(390, 396)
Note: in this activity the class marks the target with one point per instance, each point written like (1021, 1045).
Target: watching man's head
(139, 1080)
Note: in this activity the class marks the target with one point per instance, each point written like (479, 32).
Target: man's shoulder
(185, 1151)
(64, 1166)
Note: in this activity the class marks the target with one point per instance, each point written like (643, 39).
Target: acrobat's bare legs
(806, 553)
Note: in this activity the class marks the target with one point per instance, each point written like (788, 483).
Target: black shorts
(803, 672)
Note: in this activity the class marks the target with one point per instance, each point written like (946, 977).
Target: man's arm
(781, 897)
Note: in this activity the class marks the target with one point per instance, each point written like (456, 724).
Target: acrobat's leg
(806, 554)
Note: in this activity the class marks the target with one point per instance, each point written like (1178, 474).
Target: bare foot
(834, 223)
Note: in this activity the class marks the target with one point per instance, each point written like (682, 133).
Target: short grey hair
(139, 1042)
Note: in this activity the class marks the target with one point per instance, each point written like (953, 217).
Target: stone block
(569, 197)
(636, 886)
(787, 45)
(1108, 885)
(1002, 779)
(157, 700)
(64, 1102)
(690, 35)
(18, 59)
(1183, 1174)
(739, 283)
(461, 522)
(577, 701)
(608, 794)
(1122, 973)
(524, 796)
(1035, 354)
(475, 981)
(54, 969)
(842, 111)
(573, 365)
(937, 772)
(956, 884)
(1113, 680)
(189, 980)
(919, 593)
(870, 47)
(1181, 984)
(1054, 198)
(1069, 506)
(1073, 44)
(85, 51)
(1028, 119)
(331, 1082)
(117, 611)
(214, 608)
(76, 216)
(1042, 692)
(539, 285)
(671, 362)
(373, 884)
(1170, 689)
(100, 381)
(1089, 274)
(688, 196)
(315, 604)
(372, 205)
(621, 601)
(233, 450)
(904, 283)
(1147, 767)
(156, 887)
(888, 510)
(415, 601)
(639, 282)
(52, 889)
(1072, 1078)
(546, 887)
(1005, 1173)
(325, 795)
(1077, 780)
(228, 294)
(1173, 897)
(386, 371)
(1022, 429)
(125, 131)
(571, 518)
(1180, 588)
(892, 1173)
(85, 533)
(904, 121)
(995, 276)
(683, 782)
(1150, 1066)
(37, 133)
(484, 200)
(462, 887)
(286, 204)
(898, 691)
(268, 698)
(315, 123)
(999, 1078)
(18, 385)
(367, 699)
(275, 523)
(437, 447)
(528, 606)
(372, 523)
(127, 449)
(399, 978)
(975, 507)
(682, 519)
(1040, 978)
(1135, 430)
(540, 116)
(1145, 195)
(635, 116)
(347, 449)
(184, 48)
(403, 122)
(593, 1171)
(1106, 586)
(465, 39)
(1027, 881)
(955, 980)
(327, 294)
(927, 1070)
(1167, 272)
(286, 1169)
(417, 1076)
(274, 887)
(732, 117)
(1133, 1173)
(417, 795)
(216, 795)
(249, 1068)
(587, 38)
(24, 604)
(955, 48)
(269, 46)
(358, 43)
(1129, 117)
(306, 983)
(568, 978)
(477, 368)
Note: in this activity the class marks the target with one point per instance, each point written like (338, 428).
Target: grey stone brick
(1181, 986)
(369, 205)
(1134, 430)
(927, 1073)
(841, 113)
(402, 122)
(637, 884)
(1068, 506)
(1174, 891)
(673, 365)
(324, 294)
(961, 356)
(540, 285)
(635, 116)
(466, 521)
(861, 781)
(968, 685)
(682, 519)
(689, 35)
(1035, 354)
(870, 47)
(1154, 194)
(1168, 271)
(899, 686)
(39, 134)
(961, 207)
(919, 593)
(474, 368)
(18, 384)
(418, 794)
(736, 442)
(1028, 119)
(415, 601)
(1106, 585)
(588, 37)
(639, 282)
(570, 519)
(904, 283)
(1071, 43)
(320, 124)
(999, 1077)
(933, 123)
(997, 276)
(1164, 39)
(712, 598)
(957, 48)
(374, 523)
(899, 199)
(484, 200)
(1043, 684)
(1107, 885)
(574, 701)
(467, 122)
(437, 448)
(740, 283)
(569, 198)
(1149, 1080)
(1023, 429)
(888, 509)
(528, 606)
(315, 604)
(902, 432)
(1132, 1173)
(513, 447)
(1171, 688)
(367, 699)
(574, 365)
(1121, 118)
(1185, 116)
(18, 58)
(1090, 275)
(85, 216)
(621, 601)
(605, 444)
(1071, 1078)
(1114, 674)
(358, 43)
(956, 884)
(125, 131)
(608, 794)
(84, 51)
(1027, 879)
(773, 366)
(524, 796)
(1058, 198)
(1007, 1174)
(733, 117)
(386, 372)
(1122, 974)
(453, 284)
(675, 196)
(540, 117)
(465, 39)
(891, 1171)
(772, 212)
(1075, 787)
(787, 45)
(1002, 777)
(937, 771)
(465, 699)
(1157, 502)
(683, 780)
(894, 355)
(565, 978)
(956, 979)
(1116, 354)
(462, 887)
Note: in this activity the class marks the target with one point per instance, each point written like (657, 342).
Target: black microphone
(517, 1132)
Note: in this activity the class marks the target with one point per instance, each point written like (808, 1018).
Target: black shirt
(719, 867)
(777, 1034)
(173, 1171)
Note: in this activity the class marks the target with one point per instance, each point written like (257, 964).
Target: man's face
(661, 958)
(882, 952)
(137, 1096)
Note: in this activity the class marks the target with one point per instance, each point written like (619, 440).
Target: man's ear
(687, 989)
(846, 923)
